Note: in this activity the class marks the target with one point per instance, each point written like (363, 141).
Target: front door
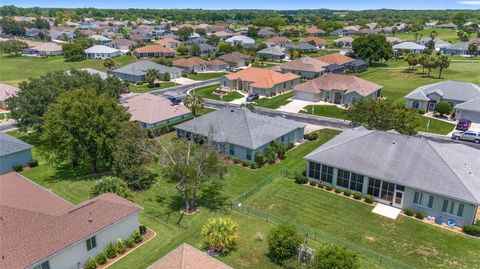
(337, 98)
(431, 105)
(398, 199)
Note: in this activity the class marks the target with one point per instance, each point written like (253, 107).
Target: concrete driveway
(295, 106)
(183, 81)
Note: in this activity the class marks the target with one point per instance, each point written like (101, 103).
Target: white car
(467, 136)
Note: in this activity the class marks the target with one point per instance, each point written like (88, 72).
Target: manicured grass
(206, 76)
(405, 239)
(275, 102)
(398, 81)
(436, 126)
(260, 64)
(444, 34)
(207, 92)
(325, 111)
(145, 88)
(162, 205)
(14, 69)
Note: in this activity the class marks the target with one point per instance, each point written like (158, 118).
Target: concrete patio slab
(386, 211)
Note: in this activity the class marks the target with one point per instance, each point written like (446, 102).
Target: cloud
(471, 3)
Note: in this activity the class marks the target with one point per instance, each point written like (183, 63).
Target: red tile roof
(166, 41)
(138, 37)
(314, 30)
(189, 62)
(335, 58)
(217, 62)
(346, 83)
(36, 223)
(150, 108)
(262, 78)
(277, 39)
(316, 40)
(154, 49)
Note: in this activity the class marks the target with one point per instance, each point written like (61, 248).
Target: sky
(251, 4)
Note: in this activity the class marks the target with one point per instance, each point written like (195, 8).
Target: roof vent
(232, 109)
(393, 142)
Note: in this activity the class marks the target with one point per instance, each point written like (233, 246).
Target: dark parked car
(174, 100)
(252, 97)
(463, 125)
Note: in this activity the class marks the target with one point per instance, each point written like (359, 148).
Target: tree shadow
(379, 65)
(212, 196)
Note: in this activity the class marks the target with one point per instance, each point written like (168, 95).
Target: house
(439, 179)
(223, 35)
(101, 52)
(272, 53)
(169, 42)
(13, 151)
(469, 110)
(121, 44)
(345, 41)
(154, 51)
(240, 133)
(409, 47)
(187, 257)
(314, 31)
(459, 49)
(450, 26)
(439, 44)
(136, 71)
(367, 31)
(139, 38)
(42, 230)
(100, 39)
(337, 89)
(357, 66)
(207, 49)
(150, 110)
(217, 65)
(32, 32)
(44, 49)
(393, 40)
(240, 40)
(265, 33)
(339, 63)
(315, 41)
(189, 65)
(343, 32)
(199, 40)
(372, 25)
(278, 41)
(6, 91)
(426, 97)
(92, 71)
(236, 59)
(61, 34)
(265, 82)
(305, 67)
(304, 47)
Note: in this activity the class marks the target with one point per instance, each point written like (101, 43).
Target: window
(387, 191)
(354, 100)
(232, 149)
(449, 208)
(91, 243)
(314, 170)
(356, 182)
(445, 206)
(460, 210)
(430, 201)
(249, 154)
(283, 138)
(423, 199)
(44, 265)
(374, 187)
(343, 178)
(415, 104)
(327, 173)
(327, 95)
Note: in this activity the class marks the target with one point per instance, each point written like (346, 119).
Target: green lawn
(207, 92)
(14, 69)
(436, 126)
(162, 205)
(325, 111)
(275, 102)
(404, 239)
(145, 88)
(444, 34)
(260, 64)
(206, 76)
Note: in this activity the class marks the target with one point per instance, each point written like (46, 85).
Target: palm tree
(151, 76)
(221, 234)
(411, 59)
(472, 48)
(433, 34)
(108, 63)
(431, 63)
(194, 102)
(443, 63)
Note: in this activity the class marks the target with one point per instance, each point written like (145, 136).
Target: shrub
(369, 199)
(121, 247)
(409, 212)
(143, 229)
(260, 159)
(91, 264)
(33, 163)
(347, 193)
(357, 195)
(245, 163)
(259, 236)
(17, 168)
(320, 185)
(330, 256)
(139, 82)
(472, 229)
(300, 179)
(290, 146)
(337, 190)
(304, 173)
(313, 136)
(101, 258)
(283, 242)
(220, 234)
(136, 237)
(329, 187)
(443, 108)
(253, 165)
(236, 160)
(312, 183)
(306, 136)
(129, 243)
(111, 251)
(420, 215)
(113, 185)
(421, 112)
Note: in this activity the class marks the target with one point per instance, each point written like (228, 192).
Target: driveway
(183, 81)
(295, 106)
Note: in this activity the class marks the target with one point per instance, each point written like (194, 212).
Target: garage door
(470, 115)
(306, 96)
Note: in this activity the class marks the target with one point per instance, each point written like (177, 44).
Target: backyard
(207, 93)
(206, 76)
(14, 69)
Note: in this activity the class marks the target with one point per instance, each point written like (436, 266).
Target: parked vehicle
(230, 69)
(463, 125)
(252, 97)
(467, 136)
(174, 100)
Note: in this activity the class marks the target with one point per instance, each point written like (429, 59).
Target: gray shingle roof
(447, 169)
(241, 127)
(472, 105)
(140, 68)
(273, 51)
(10, 144)
(450, 90)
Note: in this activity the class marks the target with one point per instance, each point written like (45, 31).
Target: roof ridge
(343, 142)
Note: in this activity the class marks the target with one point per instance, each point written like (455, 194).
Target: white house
(41, 230)
(240, 39)
(408, 46)
(101, 52)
